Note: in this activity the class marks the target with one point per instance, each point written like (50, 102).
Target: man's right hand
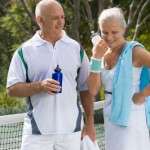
(49, 86)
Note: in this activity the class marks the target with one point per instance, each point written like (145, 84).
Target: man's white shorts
(69, 141)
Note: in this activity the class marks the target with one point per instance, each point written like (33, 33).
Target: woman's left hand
(138, 98)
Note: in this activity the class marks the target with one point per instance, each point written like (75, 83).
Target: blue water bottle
(57, 75)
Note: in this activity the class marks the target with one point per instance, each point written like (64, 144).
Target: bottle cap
(57, 69)
(92, 34)
(95, 38)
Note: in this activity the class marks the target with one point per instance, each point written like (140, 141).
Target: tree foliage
(17, 23)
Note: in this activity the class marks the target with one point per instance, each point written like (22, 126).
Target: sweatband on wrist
(95, 65)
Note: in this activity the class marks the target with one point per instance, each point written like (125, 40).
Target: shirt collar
(37, 40)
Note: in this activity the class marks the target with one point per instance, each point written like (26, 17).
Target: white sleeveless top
(107, 81)
(136, 135)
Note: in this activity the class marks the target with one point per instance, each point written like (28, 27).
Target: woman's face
(112, 33)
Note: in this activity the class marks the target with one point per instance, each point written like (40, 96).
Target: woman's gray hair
(113, 14)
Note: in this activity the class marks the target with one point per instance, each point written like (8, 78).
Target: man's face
(53, 21)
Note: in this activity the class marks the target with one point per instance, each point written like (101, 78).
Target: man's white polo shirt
(47, 114)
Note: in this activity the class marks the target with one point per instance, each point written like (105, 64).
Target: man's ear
(39, 20)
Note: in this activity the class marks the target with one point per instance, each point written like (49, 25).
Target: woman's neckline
(123, 47)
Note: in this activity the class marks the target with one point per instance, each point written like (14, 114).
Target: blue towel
(147, 111)
(144, 81)
(122, 87)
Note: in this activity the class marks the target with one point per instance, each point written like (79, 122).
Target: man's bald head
(45, 6)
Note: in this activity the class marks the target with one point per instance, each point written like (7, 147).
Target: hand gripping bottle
(57, 75)
(95, 38)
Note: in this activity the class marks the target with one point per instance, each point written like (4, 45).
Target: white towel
(88, 144)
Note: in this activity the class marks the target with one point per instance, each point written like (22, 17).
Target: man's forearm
(87, 101)
(24, 89)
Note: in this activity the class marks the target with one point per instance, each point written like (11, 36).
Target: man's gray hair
(41, 7)
(113, 14)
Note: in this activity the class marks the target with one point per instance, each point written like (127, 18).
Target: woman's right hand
(99, 50)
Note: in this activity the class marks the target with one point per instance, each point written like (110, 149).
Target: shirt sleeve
(16, 72)
(83, 74)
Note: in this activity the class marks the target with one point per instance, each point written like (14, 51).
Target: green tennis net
(11, 127)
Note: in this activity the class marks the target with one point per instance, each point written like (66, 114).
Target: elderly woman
(120, 67)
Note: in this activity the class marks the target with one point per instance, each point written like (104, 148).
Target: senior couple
(54, 121)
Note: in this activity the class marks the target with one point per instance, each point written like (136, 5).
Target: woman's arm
(141, 57)
(94, 80)
(139, 98)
